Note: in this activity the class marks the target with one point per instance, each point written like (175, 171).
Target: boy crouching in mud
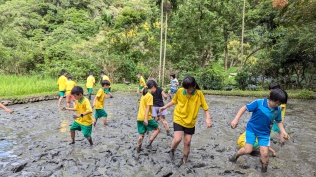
(264, 112)
(145, 121)
(83, 120)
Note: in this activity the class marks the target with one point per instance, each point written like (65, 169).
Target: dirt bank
(34, 142)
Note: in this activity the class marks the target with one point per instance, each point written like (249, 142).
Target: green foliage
(306, 94)
(122, 38)
(242, 80)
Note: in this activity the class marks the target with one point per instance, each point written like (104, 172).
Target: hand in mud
(145, 122)
(286, 136)
(76, 116)
(234, 124)
(9, 111)
(64, 108)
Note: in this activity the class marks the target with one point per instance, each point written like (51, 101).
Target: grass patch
(293, 94)
(13, 86)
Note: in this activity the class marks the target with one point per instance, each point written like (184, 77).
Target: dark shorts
(152, 125)
(177, 127)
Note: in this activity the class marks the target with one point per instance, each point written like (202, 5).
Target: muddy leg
(264, 151)
(186, 148)
(153, 136)
(242, 151)
(59, 100)
(104, 121)
(139, 142)
(164, 122)
(281, 139)
(72, 135)
(177, 137)
(90, 140)
(95, 121)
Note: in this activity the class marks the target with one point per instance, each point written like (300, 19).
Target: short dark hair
(173, 75)
(91, 73)
(69, 76)
(77, 90)
(151, 83)
(63, 71)
(105, 82)
(102, 72)
(278, 95)
(189, 82)
(274, 85)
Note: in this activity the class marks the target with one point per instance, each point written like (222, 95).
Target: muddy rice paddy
(34, 142)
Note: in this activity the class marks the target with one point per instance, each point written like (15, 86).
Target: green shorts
(62, 93)
(90, 90)
(86, 130)
(152, 125)
(108, 90)
(140, 87)
(99, 113)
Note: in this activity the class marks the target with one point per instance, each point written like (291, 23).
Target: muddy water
(34, 142)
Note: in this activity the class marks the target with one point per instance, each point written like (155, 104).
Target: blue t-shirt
(262, 117)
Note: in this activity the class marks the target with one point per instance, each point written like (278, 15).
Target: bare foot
(72, 143)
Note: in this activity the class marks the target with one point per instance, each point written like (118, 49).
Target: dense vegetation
(122, 37)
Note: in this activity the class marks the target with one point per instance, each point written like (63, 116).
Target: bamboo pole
(165, 51)
(161, 34)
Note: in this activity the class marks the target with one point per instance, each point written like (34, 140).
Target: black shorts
(177, 127)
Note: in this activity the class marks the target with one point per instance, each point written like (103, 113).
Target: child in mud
(70, 84)
(62, 85)
(283, 107)
(106, 78)
(83, 120)
(174, 85)
(98, 103)
(158, 95)
(6, 109)
(142, 83)
(90, 83)
(188, 100)
(145, 121)
(242, 141)
(264, 112)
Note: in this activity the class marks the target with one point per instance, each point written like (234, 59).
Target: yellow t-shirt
(283, 107)
(82, 106)
(90, 82)
(186, 110)
(69, 86)
(145, 100)
(142, 81)
(62, 83)
(99, 102)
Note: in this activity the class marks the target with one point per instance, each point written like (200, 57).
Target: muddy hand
(286, 136)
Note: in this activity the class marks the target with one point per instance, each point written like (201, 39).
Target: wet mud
(34, 141)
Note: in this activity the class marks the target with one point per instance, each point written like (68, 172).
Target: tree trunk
(165, 51)
(161, 31)
(226, 49)
(242, 34)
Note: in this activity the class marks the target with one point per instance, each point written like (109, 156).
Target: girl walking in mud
(188, 100)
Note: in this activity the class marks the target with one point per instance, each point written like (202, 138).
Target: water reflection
(64, 126)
